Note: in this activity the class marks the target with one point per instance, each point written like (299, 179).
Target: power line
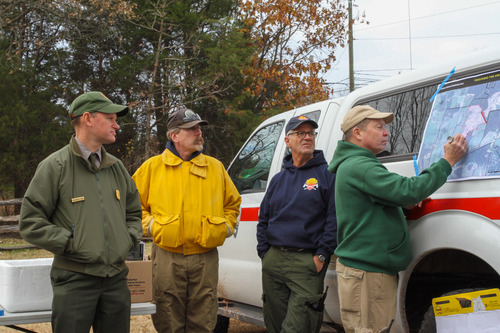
(427, 16)
(373, 77)
(363, 76)
(429, 37)
(382, 70)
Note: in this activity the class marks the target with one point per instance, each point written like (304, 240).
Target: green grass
(20, 253)
(12, 242)
(35, 252)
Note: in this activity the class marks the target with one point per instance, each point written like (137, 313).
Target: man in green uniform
(83, 206)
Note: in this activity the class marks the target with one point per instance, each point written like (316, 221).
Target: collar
(86, 152)
(170, 146)
(199, 163)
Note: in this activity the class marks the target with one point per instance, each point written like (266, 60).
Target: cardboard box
(140, 281)
(25, 285)
(477, 311)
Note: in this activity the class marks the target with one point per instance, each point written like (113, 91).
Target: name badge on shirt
(77, 199)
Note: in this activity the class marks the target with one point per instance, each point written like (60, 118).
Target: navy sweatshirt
(298, 209)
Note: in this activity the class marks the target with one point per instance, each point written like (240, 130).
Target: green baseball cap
(95, 101)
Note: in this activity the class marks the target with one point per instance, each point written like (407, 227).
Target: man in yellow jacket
(189, 207)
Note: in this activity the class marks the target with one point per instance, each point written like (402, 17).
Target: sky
(408, 34)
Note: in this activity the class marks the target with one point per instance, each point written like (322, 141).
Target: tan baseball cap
(361, 112)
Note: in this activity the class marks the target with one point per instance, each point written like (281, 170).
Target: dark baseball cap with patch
(182, 117)
(299, 120)
(95, 101)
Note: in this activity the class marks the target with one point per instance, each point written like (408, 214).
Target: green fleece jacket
(90, 221)
(372, 230)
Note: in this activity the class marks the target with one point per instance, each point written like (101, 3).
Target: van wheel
(428, 324)
(222, 325)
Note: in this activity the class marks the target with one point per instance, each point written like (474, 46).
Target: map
(471, 107)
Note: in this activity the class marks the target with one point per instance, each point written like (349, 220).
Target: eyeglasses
(302, 134)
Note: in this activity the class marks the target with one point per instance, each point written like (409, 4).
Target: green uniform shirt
(90, 221)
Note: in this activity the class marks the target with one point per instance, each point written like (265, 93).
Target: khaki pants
(185, 291)
(367, 299)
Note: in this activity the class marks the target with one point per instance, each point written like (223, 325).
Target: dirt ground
(138, 324)
(143, 324)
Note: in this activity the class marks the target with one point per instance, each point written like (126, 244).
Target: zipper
(104, 221)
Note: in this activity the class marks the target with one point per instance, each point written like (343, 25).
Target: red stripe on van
(487, 207)
(249, 214)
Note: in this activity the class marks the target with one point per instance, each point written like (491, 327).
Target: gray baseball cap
(182, 117)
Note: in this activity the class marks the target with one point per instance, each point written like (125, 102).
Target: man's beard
(198, 143)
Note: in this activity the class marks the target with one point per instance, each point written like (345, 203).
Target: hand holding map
(455, 150)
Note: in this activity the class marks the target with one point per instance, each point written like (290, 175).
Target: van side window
(314, 115)
(411, 110)
(250, 169)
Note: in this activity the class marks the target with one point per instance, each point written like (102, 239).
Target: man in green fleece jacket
(83, 206)
(373, 239)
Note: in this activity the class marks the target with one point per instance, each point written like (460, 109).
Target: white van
(455, 236)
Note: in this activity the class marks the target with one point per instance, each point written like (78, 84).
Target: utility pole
(351, 55)
(409, 33)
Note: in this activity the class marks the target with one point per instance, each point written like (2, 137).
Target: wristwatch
(321, 258)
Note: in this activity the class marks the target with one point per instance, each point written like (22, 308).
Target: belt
(294, 249)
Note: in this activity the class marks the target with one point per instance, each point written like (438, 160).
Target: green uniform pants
(185, 291)
(293, 291)
(81, 301)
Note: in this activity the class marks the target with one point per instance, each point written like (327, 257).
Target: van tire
(428, 324)
(222, 325)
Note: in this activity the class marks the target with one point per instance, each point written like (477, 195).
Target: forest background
(233, 62)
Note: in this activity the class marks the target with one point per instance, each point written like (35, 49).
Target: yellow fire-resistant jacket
(188, 207)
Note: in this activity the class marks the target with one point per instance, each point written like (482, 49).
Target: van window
(314, 115)
(250, 169)
(411, 110)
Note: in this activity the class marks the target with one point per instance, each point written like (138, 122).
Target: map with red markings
(469, 106)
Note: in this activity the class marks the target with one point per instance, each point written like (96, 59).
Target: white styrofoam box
(25, 285)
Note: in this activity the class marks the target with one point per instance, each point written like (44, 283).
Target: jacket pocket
(165, 230)
(400, 256)
(122, 243)
(214, 231)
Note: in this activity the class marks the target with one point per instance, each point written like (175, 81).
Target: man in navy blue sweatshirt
(297, 234)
